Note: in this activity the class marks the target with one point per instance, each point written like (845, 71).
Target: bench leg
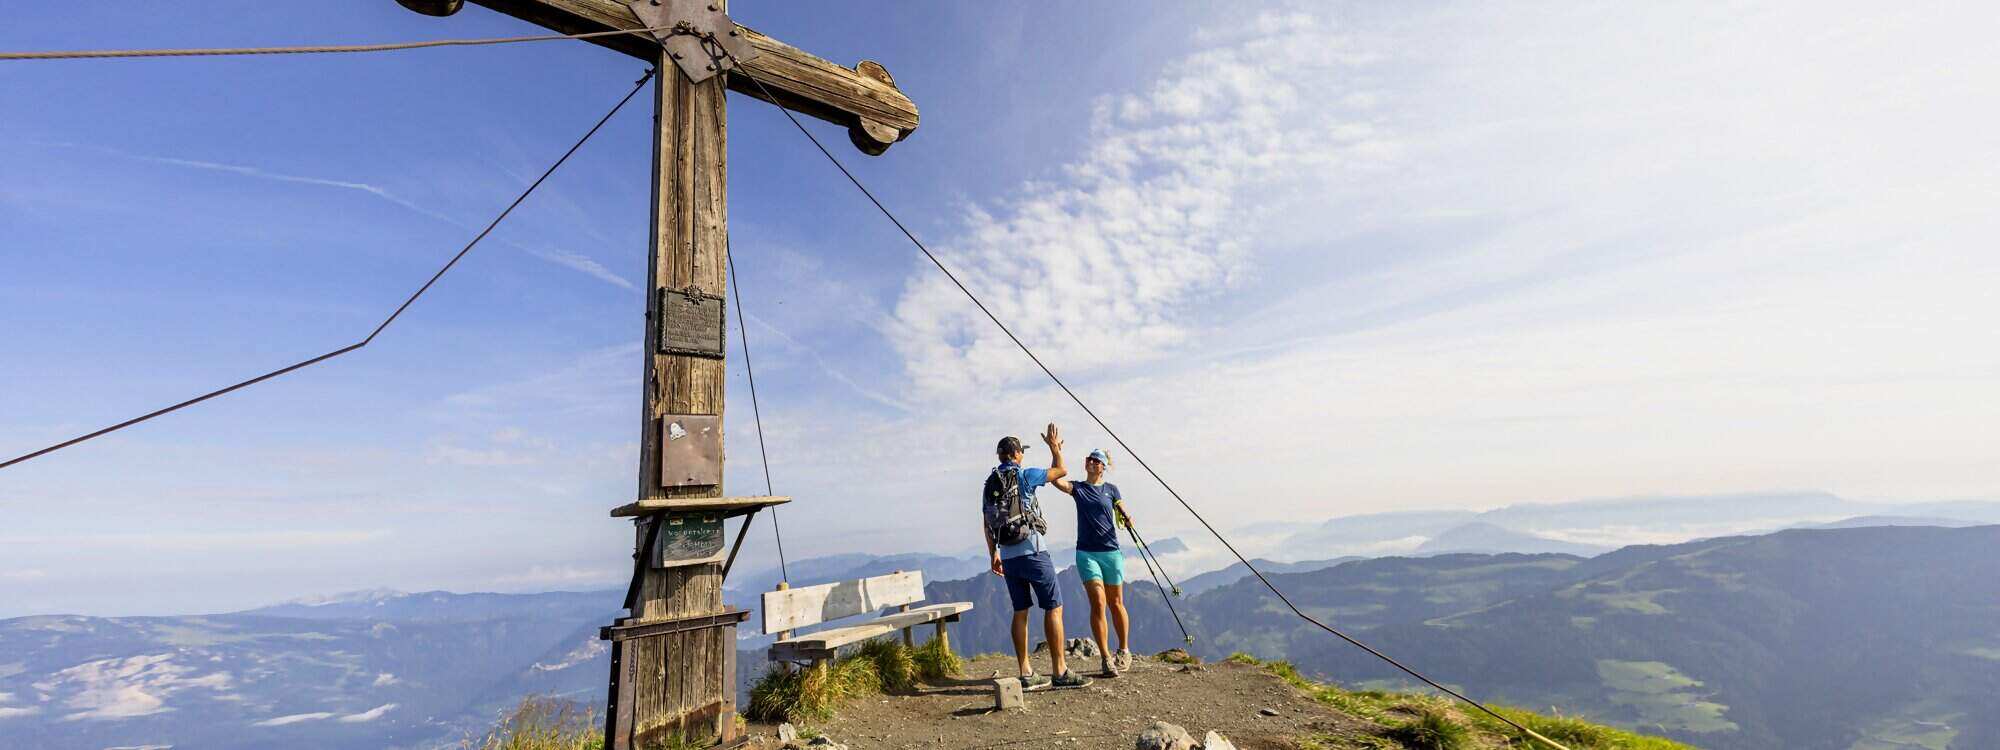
(909, 641)
(943, 638)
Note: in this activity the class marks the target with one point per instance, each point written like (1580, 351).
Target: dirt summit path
(1235, 700)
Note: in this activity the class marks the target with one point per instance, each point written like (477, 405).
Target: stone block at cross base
(1007, 694)
(1164, 736)
(1216, 741)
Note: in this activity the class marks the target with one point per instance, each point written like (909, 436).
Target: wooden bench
(786, 610)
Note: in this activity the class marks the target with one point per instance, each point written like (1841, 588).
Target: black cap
(1010, 445)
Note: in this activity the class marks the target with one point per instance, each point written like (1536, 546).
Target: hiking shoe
(1110, 667)
(1123, 661)
(1034, 682)
(1070, 679)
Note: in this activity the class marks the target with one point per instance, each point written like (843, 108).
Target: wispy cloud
(546, 576)
(293, 719)
(368, 715)
(567, 259)
(1109, 263)
(831, 371)
(200, 541)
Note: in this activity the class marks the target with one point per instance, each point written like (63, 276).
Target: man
(1013, 531)
(1098, 561)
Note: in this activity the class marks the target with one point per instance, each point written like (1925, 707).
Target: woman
(1098, 561)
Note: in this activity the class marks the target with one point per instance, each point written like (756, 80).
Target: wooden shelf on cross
(729, 506)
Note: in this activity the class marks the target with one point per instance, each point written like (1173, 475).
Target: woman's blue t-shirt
(1096, 524)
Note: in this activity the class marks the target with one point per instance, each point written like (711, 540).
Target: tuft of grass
(935, 661)
(894, 669)
(1431, 730)
(1178, 656)
(542, 723)
(812, 694)
(1242, 658)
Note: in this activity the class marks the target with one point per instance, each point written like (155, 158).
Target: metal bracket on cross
(684, 28)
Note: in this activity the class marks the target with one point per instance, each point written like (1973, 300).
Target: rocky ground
(1248, 706)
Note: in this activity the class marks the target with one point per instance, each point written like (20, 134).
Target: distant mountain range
(1878, 636)
(1595, 526)
(1862, 638)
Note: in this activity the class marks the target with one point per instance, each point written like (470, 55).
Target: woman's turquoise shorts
(1108, 567)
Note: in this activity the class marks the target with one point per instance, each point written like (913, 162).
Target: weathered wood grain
(811, 605)
(822, 644)
(675, 694)
(864, 99)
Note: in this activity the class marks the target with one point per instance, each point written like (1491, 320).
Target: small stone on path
(1268, 711)
(1007, 694)
(1164, 736)
(787, 732)
(1216, 742)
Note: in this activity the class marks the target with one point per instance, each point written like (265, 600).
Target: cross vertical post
(673, 665)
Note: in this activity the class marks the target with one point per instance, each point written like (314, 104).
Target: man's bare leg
(1021, 641)
(1052, 628)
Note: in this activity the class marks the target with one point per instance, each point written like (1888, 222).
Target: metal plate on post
(688, 539)
(690, 450)
(691, 323)
(686, 26)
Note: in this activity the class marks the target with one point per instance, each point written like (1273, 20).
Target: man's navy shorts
(1032, 573)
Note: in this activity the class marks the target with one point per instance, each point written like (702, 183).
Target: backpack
(1009, 519)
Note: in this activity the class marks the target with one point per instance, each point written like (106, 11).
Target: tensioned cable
(743, 332)
(1114, 435)
(310, 49)
(1164, 596)
(385, 321)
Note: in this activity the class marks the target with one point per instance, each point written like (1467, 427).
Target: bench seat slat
(827, 640)
(792, 609)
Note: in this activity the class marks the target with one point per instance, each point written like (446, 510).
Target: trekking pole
(1148, 549)
(1185, 635)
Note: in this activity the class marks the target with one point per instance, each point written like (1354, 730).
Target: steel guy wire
(309, 49)
(385, 321)
(743, 332)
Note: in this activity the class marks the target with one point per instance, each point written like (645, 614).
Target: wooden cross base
(673, 662)
(692, 689)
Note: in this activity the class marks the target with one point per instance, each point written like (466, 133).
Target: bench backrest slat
(796, 608)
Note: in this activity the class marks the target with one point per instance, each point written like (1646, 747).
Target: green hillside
(1853, 639)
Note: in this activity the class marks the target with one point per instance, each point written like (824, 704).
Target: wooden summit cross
(673, 660)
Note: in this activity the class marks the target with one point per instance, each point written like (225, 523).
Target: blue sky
(1313, 259)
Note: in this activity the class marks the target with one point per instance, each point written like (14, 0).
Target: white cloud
(23, 575)
(385, 679)
(1519, 258)
(368, 715)
(581, 263)
(127, 687)
(558, 256)
(293, 719)
(544, 576)
(1110, 263)
(203, 541)
(9, 712)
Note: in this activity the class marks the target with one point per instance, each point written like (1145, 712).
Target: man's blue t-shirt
(1030, 479)
(1096, 524)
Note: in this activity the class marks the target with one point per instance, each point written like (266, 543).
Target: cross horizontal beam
(864, 99)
